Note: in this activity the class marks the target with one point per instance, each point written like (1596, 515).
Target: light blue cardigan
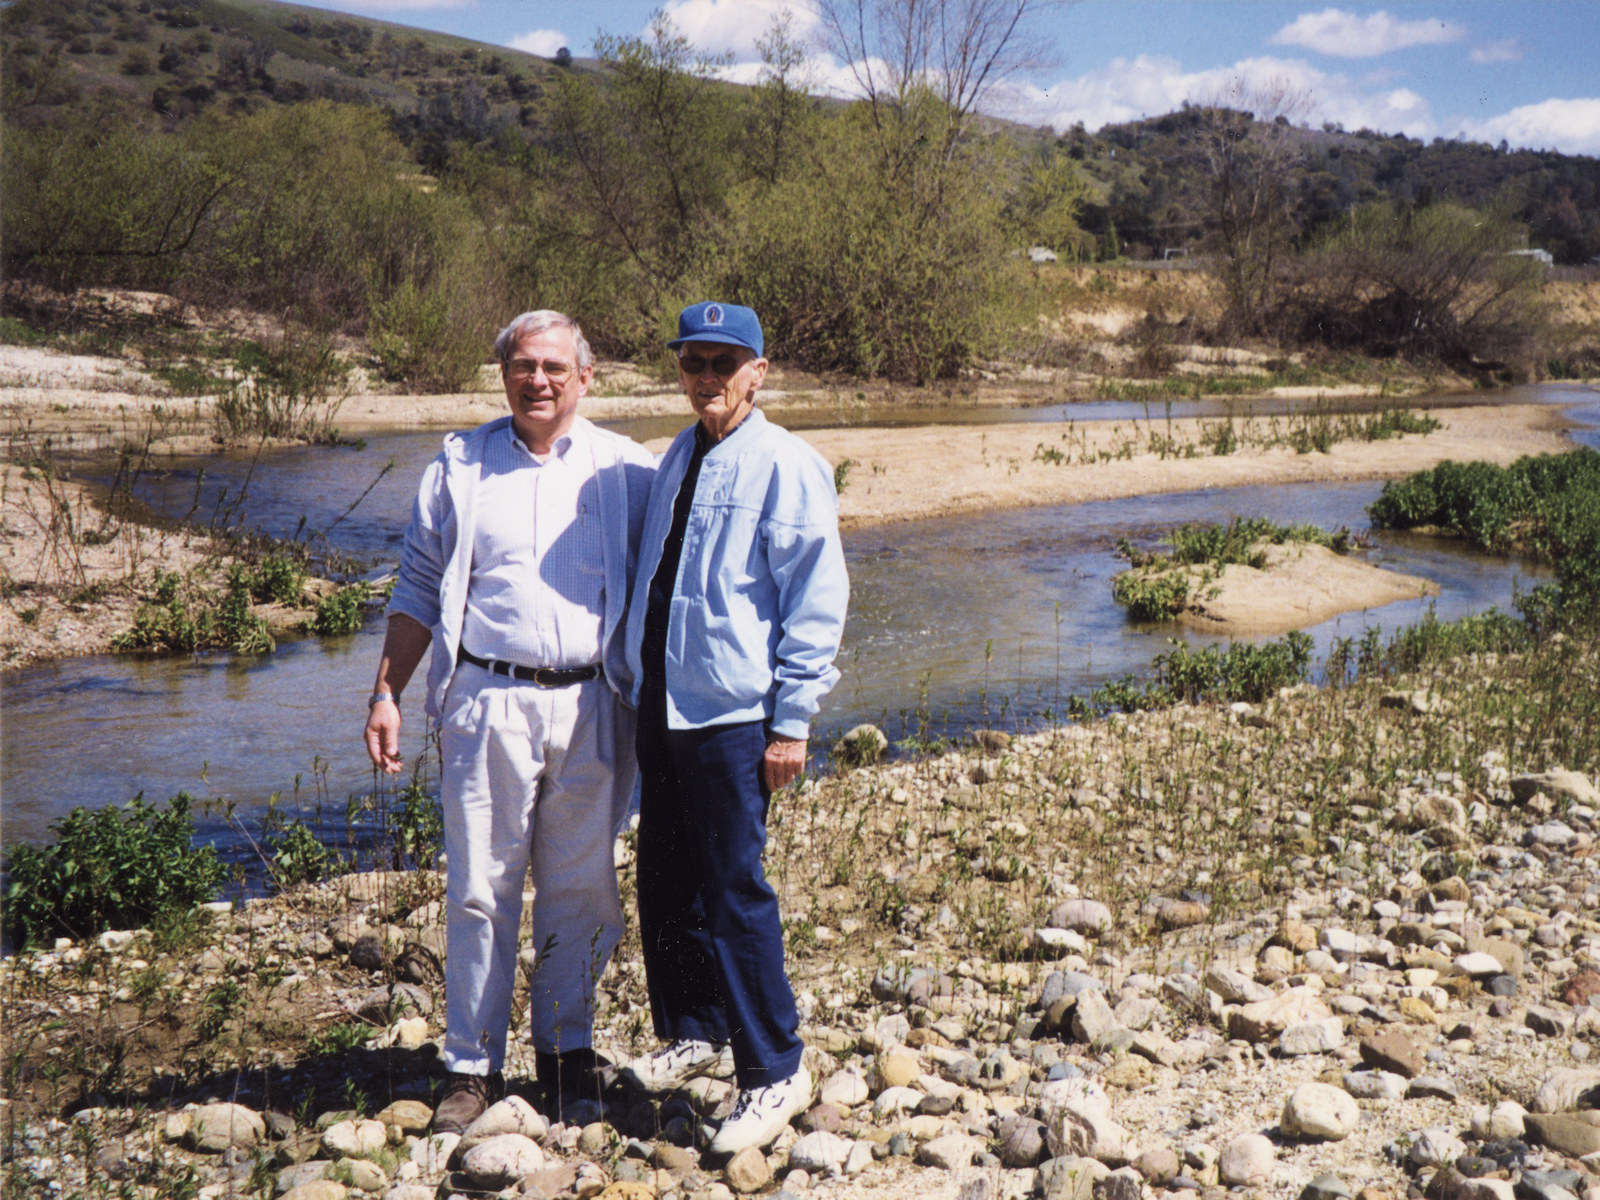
(758, 607)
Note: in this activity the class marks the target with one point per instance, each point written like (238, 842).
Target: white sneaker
(761, 1114)
(675, 1065)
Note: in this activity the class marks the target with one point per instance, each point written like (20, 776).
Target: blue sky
(1527, 71)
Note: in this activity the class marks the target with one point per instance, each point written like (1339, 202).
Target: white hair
(538, 321)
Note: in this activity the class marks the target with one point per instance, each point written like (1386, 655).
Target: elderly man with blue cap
(735, 620)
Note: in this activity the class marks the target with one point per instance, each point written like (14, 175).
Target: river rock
(511, 1115)
(747, 1171)
(1569, 1133)
(949, 1151)
(1235, 987)
(1081, 1134)
(214, 1128)
(1577, 990)
(898, 1067)
(1264, 1020)
(1557, 784)
(843, 1089)
(1326, 1186)
(819, 1153)
(1500, 1123)
(348, 1139)
(432, 1154)
(1479, 965)
(1092, 1017)
(1566, 1088)
(1319, 1112)
(1375, 1085)
(408, 1116)
(1070, 1178)
(1022, 1141)
(1090, 918)
(1392, 1052)
(1247, 1160)
(861, 746)
(1434, 1148)
(319, 1189)
(502, 1161)
(1312, 1037)
(366, 1175)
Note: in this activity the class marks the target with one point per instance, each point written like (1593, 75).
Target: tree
(1433, 283)
(1250, 156)
(959, 51)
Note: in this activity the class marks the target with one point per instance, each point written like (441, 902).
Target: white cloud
(1345, 35)
(543, 42)
(734, 26)
(1570, 126)
(1505, 50)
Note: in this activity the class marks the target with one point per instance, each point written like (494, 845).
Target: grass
(1316, 429)
(1158, 585)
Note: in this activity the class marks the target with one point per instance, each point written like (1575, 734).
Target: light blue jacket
(436, 566)
(759, 603)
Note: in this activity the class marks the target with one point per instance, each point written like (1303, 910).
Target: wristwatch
(380, 697)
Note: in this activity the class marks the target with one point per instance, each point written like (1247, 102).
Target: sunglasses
(723, 364)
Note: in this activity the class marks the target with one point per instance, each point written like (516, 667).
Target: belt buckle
(540, 675)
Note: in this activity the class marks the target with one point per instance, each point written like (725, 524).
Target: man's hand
(783, 762)
(383, 736)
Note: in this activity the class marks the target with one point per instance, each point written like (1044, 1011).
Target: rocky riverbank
(1339, 944)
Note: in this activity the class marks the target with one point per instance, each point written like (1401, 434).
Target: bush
(1547, 506)
(1431, 283)
(109, 868)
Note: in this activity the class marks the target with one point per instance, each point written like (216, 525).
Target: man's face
(723, 390)
(543, 386)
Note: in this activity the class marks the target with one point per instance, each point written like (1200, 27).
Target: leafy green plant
(341, 612)
(109, 868)
(1547, 506)
(338, 1039)
(296, 855)
(416, 829)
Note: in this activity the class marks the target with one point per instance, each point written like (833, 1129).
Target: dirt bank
(908, 474)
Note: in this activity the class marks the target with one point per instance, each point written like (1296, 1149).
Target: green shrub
(1547, 506)
(1151, 598)
(109, 868)
(296, 855)
(341, 612)
(416, 830)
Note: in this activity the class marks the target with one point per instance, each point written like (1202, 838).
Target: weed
(109, 868)
(341, 612)
(841, 473)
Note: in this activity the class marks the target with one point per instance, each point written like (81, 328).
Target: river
(956, 622)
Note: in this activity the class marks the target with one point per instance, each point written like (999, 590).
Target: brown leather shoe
(464, 1099)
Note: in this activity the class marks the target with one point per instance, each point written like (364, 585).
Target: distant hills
(1148, 178)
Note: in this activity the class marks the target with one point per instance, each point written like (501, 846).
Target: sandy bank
(1302, 585)
(909, 474)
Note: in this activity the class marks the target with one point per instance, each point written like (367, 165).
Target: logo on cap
(713, 314)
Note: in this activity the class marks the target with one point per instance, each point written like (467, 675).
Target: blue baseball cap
(713, 321)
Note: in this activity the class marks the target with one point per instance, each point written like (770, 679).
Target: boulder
(1319, 1112)
(502, 1161)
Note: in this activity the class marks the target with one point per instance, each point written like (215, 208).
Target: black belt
(549, 677)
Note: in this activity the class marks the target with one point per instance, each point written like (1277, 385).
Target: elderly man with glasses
(516, 570)
(738, 609)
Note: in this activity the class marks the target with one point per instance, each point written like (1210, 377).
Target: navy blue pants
(713, 939)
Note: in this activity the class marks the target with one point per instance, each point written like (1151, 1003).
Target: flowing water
(962, 621)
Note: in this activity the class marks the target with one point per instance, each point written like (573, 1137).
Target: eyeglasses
(723, 364)
(554, 369)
